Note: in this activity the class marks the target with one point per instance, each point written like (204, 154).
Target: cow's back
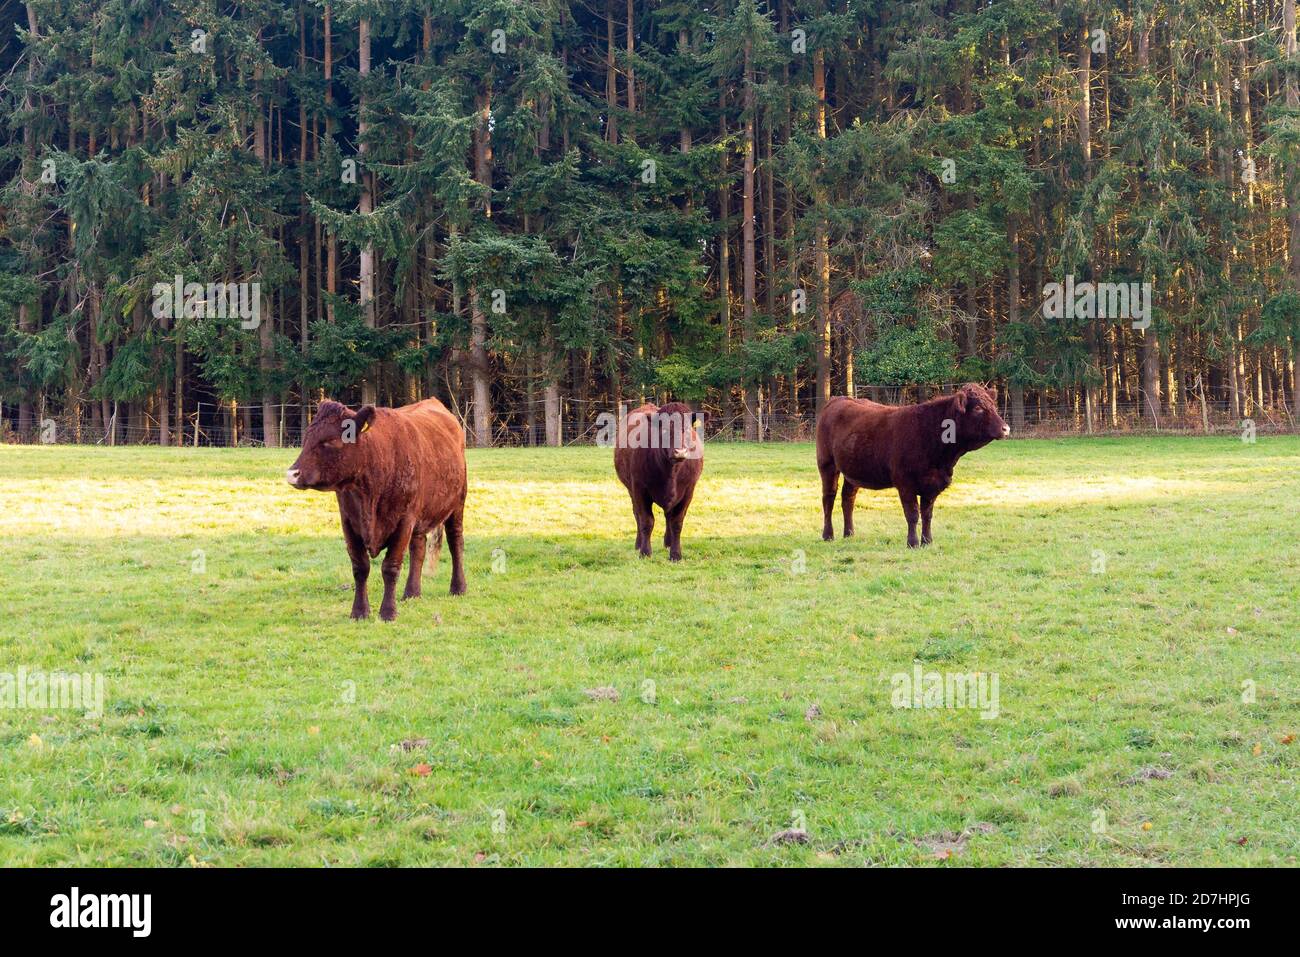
(858, 437)
(419, 458)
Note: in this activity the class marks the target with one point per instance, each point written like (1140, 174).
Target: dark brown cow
(659, 457)
(912, 448)
(399, 474)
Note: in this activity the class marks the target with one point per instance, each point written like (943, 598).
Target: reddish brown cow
(912, 448)
(399, 474)
(659, 457)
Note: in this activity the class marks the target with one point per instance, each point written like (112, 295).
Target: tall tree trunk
(478, 319)
(304, 260)
(772, 385)
(1092, 324)
(787, 211)
(332, 253)
(179, 383)
(1150, 342)
(367, 265)
(611, 77)
(29, 313)
(750, 395)
(1292, 186)
(631, 48)
(822, 262)
(1015, 390)
(684, 47)
(724, 214)
(164, 416)
(551, 402)
(266, 326)
(429, 289)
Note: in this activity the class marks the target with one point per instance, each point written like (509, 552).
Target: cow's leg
(360, 571)
(847, 498)
(639, 518)
(643, 510)
(830, 484)
(419, 542)
(673, 533)
(455, 526)
(927, 512)
(908, 497)
(392, 567)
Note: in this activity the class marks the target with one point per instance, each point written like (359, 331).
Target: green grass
(250, 722)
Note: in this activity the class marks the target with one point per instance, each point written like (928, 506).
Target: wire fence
(208, 424)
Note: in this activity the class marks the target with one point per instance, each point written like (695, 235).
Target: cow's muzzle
(291, 476)
(1006, 431)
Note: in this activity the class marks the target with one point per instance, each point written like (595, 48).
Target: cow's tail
(435, 548)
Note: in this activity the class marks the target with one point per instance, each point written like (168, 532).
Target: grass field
(1130, 595)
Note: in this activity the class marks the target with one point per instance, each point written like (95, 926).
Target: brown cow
(912, 448)
(659, 457)
(399, 474)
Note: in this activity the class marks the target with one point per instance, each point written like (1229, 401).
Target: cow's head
(678, 435)
(331, 457)
(975, 412)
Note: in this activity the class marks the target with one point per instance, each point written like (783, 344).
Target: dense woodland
(538, 209)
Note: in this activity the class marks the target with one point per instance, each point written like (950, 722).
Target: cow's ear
(959, 401)
(364, 415)
(699, 419)
(993, 393)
